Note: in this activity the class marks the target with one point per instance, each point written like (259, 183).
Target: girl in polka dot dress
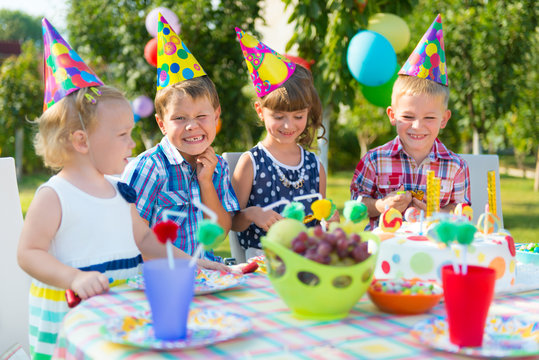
(279, 167)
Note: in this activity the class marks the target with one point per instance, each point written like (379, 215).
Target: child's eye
(179, 118)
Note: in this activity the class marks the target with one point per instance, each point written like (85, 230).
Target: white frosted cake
(406, 254)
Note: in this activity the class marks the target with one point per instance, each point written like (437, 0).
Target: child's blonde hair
(194, 88)
(60, 121)
(295, 94)
(412, 85)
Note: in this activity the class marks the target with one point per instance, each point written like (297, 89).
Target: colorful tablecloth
(365, 334)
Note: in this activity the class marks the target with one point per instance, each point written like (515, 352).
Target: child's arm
(152, 249)
(242, 182)
(40, 226)
(206, 163)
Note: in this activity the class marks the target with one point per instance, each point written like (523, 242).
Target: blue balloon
(371, 58)
(136, 118)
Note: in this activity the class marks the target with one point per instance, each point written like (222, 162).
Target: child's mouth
(417, 137)
(194, 139)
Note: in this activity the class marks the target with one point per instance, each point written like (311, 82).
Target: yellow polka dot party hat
(269, 69)
(427, 61)
(64, 71)
(175, 63)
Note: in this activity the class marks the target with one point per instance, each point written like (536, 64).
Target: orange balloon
(218, 128)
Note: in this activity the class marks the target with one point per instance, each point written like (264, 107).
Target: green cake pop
(355, 211)
(465, 233)
(446, 232)
(294, 210)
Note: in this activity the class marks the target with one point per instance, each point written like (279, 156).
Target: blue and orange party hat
(427, 61)
(64, 71)
(175, 63)
(269, 69)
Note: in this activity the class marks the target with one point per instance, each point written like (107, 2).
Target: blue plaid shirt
(164, 180)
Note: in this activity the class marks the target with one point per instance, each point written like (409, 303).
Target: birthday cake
(407, 254)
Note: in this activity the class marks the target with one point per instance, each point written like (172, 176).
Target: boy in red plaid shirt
(395, 174)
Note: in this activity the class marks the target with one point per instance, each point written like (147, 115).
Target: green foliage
(21, 100)
(112, 38)
(16, 25)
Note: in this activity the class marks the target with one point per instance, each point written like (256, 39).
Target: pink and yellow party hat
(64, 71)
(427, 61)
(175, 63)
(269, 69)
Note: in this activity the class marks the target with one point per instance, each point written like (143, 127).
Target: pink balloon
(170, 17)
(143, 106)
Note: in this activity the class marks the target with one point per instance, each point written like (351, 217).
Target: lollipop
(390, 220)
(465, 236)
(488, 222)
(412, 214)
(464, 210)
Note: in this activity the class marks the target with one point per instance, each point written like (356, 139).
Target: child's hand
(399, 200)
(206, 163)
(335, 217)
(212, 265)
(263, 219)
(89, 283)
(419, 204)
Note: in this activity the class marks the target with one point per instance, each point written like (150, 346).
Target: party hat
(175, 63)
(427, 61)
(63, 70)
(269, 69)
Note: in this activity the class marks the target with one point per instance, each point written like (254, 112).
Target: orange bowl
(404, 304)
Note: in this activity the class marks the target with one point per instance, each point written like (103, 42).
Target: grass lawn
(519, 203)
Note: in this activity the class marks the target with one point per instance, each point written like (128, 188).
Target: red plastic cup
(169, 293)
(467, 300)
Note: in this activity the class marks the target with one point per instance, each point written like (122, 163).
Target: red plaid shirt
(387, 167)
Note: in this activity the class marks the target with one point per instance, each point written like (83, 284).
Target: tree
(111, 37)
(16, 25)
(21, 100)
(323, 31)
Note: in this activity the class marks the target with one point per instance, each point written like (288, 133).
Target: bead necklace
(296, 184)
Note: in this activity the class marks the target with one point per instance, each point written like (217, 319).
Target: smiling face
(189, 124)
(110, 141)
(418, 119)
(283, 126)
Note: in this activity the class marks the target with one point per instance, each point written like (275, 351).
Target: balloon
(219, 125)
(143, 106)
(392, 27)
(361, 5)
(170, 17)
(136, 118)
(150, 52)
(371, 58)
(380, 95)
(300, 61)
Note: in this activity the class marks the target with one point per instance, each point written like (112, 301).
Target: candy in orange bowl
(405, 297)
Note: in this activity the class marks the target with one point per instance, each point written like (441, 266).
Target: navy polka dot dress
(268, 188)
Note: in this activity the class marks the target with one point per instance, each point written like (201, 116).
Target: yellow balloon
(273, 69)
(392, 27)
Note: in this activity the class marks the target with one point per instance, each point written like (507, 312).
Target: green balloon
(466, 233)
(380, 95)
(446, 232)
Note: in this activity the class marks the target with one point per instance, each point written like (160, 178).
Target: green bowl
(317, 291)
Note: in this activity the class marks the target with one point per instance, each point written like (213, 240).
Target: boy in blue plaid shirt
(183, 167)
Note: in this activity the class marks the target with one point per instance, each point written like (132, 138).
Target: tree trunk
(323, 145)
(476, 142)
(536, 182)
(19, 150)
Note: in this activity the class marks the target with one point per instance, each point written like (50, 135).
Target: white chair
(479, 166)
(236, 250)
(15, 282)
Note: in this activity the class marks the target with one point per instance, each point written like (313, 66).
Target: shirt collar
(173, 155)
(438, 149)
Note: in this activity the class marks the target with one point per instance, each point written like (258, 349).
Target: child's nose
(415, 124)
(192, 123)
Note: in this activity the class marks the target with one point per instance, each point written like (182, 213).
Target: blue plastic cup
(169, 293)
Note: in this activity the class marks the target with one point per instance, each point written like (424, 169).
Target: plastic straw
(168, 245)
(213, 217)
